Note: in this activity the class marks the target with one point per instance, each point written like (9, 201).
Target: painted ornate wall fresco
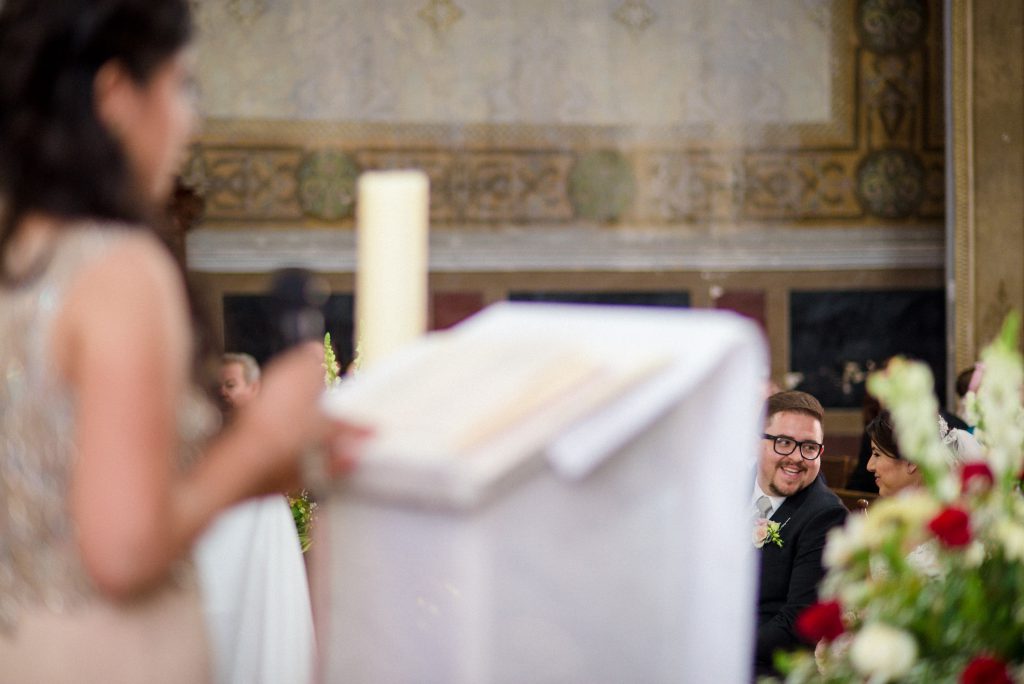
(727, 154)
(532, 114)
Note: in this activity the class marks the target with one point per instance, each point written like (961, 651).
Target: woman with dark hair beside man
(892, 472)
(106, 473)
(861, 479)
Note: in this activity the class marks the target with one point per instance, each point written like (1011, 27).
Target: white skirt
(256, 595)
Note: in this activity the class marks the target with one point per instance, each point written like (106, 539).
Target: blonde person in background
(252, 574)
(251, 571)
(108, 472)
(239, 382)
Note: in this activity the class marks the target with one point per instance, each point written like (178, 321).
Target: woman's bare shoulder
(129, 295)
(131, 264)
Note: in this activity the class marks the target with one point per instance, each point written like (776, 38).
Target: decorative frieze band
(561, 248)
(269, 185)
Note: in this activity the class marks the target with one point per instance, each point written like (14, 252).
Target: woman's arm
(124, 348)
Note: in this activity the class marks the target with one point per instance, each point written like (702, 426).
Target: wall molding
(560, 248)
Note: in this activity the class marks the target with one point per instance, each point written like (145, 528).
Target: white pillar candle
(392, 210)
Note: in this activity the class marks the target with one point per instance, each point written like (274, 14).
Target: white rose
(924, 559)
(947, 487)
(910, 510)
(843, 542)
(1011, 535)
(974, 556)
(883, 652)
(854, 593)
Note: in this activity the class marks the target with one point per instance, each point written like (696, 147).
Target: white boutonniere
(767, 531)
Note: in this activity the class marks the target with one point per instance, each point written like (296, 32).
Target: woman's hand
(344, 447)
(288, 421)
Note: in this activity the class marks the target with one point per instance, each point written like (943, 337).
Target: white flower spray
(997, 409)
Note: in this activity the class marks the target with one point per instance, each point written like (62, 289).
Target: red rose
(821, 621)
(985, 670)
(977, 475)
(952, 526)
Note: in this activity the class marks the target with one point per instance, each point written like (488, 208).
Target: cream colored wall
(529, 62)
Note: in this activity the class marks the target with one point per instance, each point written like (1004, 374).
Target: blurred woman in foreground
(98, 414)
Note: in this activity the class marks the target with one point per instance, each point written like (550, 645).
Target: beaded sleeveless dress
(54, 625)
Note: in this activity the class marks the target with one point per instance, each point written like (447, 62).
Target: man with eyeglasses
(789, 492)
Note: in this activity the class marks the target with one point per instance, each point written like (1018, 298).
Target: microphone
(297, 299)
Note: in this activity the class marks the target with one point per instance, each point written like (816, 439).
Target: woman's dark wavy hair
(55, 154)
(883, 433)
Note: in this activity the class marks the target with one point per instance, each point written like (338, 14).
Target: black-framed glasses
(784, 446)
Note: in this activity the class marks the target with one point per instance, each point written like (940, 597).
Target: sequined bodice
(39, 560)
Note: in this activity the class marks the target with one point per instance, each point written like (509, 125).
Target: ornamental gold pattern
(878, 161)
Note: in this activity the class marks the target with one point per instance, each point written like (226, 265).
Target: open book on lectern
(460, 413)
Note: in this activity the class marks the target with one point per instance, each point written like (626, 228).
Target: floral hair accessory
(945, 433)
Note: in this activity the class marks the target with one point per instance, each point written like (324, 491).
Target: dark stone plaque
(671, 299)
(249, 326)
(836, 338)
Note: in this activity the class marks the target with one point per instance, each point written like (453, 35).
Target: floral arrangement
(928, 586)
(303, 512)
(302, 505)
(767, 531)
(332, 371)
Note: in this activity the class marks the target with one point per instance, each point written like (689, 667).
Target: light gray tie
(764, 506)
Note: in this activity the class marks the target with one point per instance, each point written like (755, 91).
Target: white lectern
(612, 546)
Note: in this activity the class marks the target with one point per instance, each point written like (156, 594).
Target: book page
(479, 405)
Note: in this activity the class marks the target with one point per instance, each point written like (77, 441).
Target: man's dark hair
(795, 402)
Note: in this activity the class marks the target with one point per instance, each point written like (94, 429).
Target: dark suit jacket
(790, 574)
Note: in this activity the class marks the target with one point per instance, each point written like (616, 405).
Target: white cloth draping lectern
(556, 493)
